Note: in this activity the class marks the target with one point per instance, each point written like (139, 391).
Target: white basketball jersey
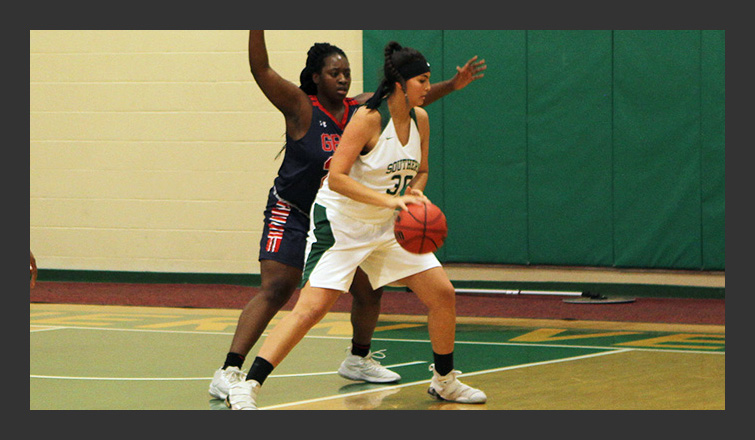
(387, 168)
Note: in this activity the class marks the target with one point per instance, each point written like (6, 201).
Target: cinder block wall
(153, 151)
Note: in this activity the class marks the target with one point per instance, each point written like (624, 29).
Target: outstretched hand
(471, 71)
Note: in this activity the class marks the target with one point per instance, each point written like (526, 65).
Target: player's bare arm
(470, 72)
(282, 93)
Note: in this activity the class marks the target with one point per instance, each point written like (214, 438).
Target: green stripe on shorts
(324, 240)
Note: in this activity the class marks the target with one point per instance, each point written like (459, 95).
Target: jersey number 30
(400, 185)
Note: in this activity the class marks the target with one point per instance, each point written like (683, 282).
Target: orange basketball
(421, 229)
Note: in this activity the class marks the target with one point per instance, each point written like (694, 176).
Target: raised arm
(283, 94)
(471, 71)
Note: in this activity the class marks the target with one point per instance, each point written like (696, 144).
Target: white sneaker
(367, 368)
(450, 389)
(223, 379)
(243, 395)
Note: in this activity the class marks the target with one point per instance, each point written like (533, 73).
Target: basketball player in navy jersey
(315, 113)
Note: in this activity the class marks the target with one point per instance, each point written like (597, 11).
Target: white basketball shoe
(449, 388)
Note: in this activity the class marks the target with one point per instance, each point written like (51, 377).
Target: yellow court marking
(142, 346)
(39, 311)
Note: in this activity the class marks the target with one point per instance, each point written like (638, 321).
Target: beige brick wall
(153, 151)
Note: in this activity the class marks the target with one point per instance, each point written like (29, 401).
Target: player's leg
(435, 290)
(278, 283)
(331, 263)
(281, 257)
(360, 362)
(365, 308)
(313, 304)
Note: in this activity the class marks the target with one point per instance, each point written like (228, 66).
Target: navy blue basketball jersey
(307, 160)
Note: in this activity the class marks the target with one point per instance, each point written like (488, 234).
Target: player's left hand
(471, 71)
(417, 193)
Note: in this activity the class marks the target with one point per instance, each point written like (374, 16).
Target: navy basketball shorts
(284, 236)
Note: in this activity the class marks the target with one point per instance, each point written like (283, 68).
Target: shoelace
(380, 354)
(453, 387)
(371, 357)
(451, 380)
(238, 375)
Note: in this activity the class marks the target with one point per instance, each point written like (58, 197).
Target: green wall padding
(657, 149)
(580, 148)
(486, 160)
(713, 155)
(569, 153)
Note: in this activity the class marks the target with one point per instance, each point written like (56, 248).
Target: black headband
(414, 68)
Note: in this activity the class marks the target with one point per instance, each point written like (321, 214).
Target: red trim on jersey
(347, 102)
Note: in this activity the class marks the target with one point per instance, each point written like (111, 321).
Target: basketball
(421, 229)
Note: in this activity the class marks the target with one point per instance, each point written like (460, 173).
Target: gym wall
(578, 148)
(154, 150)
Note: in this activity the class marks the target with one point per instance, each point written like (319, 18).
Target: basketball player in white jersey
(380, 165)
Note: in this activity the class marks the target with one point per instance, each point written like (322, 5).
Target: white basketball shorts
(337, 245)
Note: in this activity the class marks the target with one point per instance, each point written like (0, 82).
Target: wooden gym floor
(128, 357)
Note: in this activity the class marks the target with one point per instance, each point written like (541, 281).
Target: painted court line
(406, 364)
(423, 341)
(494, 370)
(323, 373)
(140, 330)
(125, 379)
(43, 328)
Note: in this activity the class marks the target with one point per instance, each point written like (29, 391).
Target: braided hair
(397, 59)
(315, 62)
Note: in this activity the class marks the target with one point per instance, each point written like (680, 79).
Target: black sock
(359, 350)
(259, 370)
(233, 360)
(444, 363)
